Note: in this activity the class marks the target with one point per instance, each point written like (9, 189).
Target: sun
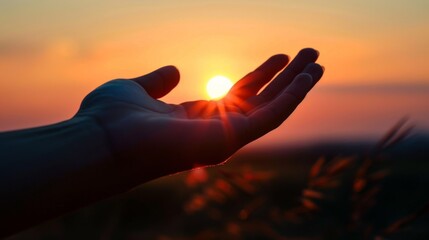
(218, 86)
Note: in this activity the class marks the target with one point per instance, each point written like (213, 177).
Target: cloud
(17, 48)
(62, 48)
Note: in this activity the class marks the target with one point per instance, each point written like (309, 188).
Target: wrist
(48, 171)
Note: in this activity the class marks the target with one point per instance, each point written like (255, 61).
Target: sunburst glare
(218, 86)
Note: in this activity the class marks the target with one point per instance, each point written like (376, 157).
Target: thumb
(159, 82)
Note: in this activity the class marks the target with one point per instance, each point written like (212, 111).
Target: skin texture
(122, 136)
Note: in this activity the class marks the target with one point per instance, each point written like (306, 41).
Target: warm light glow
(218, 86)
(43, 78)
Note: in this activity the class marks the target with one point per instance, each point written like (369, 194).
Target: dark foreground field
(331, 190)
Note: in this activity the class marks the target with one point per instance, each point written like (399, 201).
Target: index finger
(250, 84)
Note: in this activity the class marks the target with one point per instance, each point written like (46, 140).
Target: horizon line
(389, 87)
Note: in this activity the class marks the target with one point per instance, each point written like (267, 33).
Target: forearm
(49, 171)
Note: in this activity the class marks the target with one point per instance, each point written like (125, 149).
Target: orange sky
(52, 53)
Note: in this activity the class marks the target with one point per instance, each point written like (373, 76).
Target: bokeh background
(53, 53)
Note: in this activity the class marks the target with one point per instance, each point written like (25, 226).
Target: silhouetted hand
(122, 136)
(150, 138)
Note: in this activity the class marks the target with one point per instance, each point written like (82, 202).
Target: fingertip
(310, 53)
(171, 73)
(315, 70)
(313, 66)
(299, 87)
(159, 82)
(310, 50)
(280, 58)
(274, 64)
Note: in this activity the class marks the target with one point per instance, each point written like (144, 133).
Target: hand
(150, 138)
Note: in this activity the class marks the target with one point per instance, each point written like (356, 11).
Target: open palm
(145, 133)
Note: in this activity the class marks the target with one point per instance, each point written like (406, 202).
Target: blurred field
(330, 190)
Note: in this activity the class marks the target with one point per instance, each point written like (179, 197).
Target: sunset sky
(52, 53)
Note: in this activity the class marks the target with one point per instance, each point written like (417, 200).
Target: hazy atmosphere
(350, 162)
(52, 53)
